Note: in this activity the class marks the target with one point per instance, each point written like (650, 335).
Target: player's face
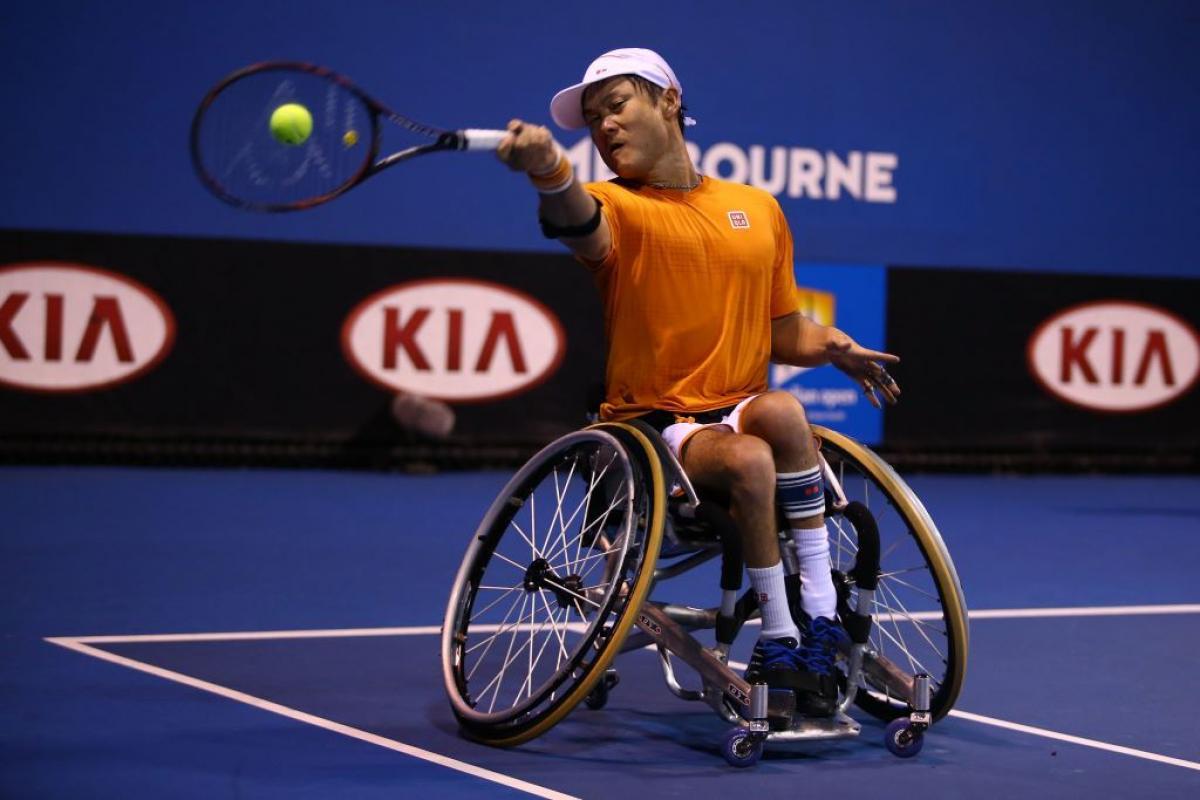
(631, 132)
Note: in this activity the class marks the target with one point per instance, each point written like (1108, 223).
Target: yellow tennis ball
(291, 124)
(350, 138)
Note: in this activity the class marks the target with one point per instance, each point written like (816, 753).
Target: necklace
(683, 187)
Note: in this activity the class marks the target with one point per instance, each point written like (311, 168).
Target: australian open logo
(825, 404)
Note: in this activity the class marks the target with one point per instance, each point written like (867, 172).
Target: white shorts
(676, 435)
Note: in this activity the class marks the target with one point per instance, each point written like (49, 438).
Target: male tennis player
(696, 278)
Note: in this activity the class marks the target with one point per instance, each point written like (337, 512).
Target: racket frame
(372, 164)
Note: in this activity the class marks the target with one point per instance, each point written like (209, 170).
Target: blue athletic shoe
(775, 662)
(817, 657)
(821, 639)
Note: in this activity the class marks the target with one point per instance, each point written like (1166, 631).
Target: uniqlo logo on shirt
(738, 219)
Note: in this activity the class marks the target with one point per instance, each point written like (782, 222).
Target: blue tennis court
(242, 453)
(255, 633)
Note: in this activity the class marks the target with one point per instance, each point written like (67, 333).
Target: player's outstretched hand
(865, 367)
(528, 148)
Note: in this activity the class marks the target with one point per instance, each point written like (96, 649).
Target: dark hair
(651, 90)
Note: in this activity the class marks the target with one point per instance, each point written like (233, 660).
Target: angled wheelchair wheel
(551, 583)
(919, 611)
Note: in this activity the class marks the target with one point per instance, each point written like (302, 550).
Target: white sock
(818, 597)
(777, 619)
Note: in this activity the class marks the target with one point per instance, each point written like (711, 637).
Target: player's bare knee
(774, 413)
(751, 466)
(779, 418)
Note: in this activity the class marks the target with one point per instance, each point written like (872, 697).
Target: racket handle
(481, 139)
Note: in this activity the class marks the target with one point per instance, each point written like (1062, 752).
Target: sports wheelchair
(560, 573)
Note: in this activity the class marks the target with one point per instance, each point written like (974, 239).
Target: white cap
(567, 106)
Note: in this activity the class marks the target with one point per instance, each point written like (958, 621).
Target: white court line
(80, 644)
(1084, 611)
(331, 633)
(320, 722)
(1066, 737)
(433, 630)
(1061, 737)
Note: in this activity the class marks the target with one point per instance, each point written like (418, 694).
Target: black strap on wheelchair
(731, 543)
(731, 564)
(866, 562)
(865, 572)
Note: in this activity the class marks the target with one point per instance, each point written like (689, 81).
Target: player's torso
(691, 263)
(717, 235)
(688, 300)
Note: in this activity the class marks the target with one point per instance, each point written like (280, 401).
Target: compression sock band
(801, 495)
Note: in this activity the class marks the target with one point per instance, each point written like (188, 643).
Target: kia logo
(76, 328)
(453, 339)
(1115, 356)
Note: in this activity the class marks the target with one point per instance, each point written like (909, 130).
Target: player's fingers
(878, 355)
(504, 149)
(869, 391)
(878, 380)
(880, 375)
(515, 125)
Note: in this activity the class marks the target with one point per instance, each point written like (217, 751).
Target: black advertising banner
(172, 349)
(1045, 366)
(116, 340)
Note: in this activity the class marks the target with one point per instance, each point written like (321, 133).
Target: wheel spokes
(564, 524)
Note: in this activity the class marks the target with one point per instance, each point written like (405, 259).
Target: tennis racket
(242, 162)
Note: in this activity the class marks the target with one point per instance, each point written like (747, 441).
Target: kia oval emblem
(455, 339)
(77, 328)
(1115, 355)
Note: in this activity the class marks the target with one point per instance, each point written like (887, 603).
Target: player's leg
(716, 458)
(778, 419)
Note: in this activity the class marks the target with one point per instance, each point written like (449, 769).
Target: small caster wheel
(741, 748)
(597, 698)
(902, 739)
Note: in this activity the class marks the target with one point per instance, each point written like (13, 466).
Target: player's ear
(670, 103)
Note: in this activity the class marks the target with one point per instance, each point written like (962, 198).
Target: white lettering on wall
(795, 172)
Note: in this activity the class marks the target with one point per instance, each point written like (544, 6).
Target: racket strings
(245, 162)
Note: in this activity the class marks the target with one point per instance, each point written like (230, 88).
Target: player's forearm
(569, 208)
(568, 213)
(572, 210)
(800, 342)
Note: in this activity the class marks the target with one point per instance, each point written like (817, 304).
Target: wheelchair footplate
(766, 720)
(761, 715)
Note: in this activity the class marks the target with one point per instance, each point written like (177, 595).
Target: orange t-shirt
(689, 291)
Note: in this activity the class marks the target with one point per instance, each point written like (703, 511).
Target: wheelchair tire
(920, 615)
(575, 573)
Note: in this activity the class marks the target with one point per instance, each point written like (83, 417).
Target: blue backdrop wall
(1010, 134)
